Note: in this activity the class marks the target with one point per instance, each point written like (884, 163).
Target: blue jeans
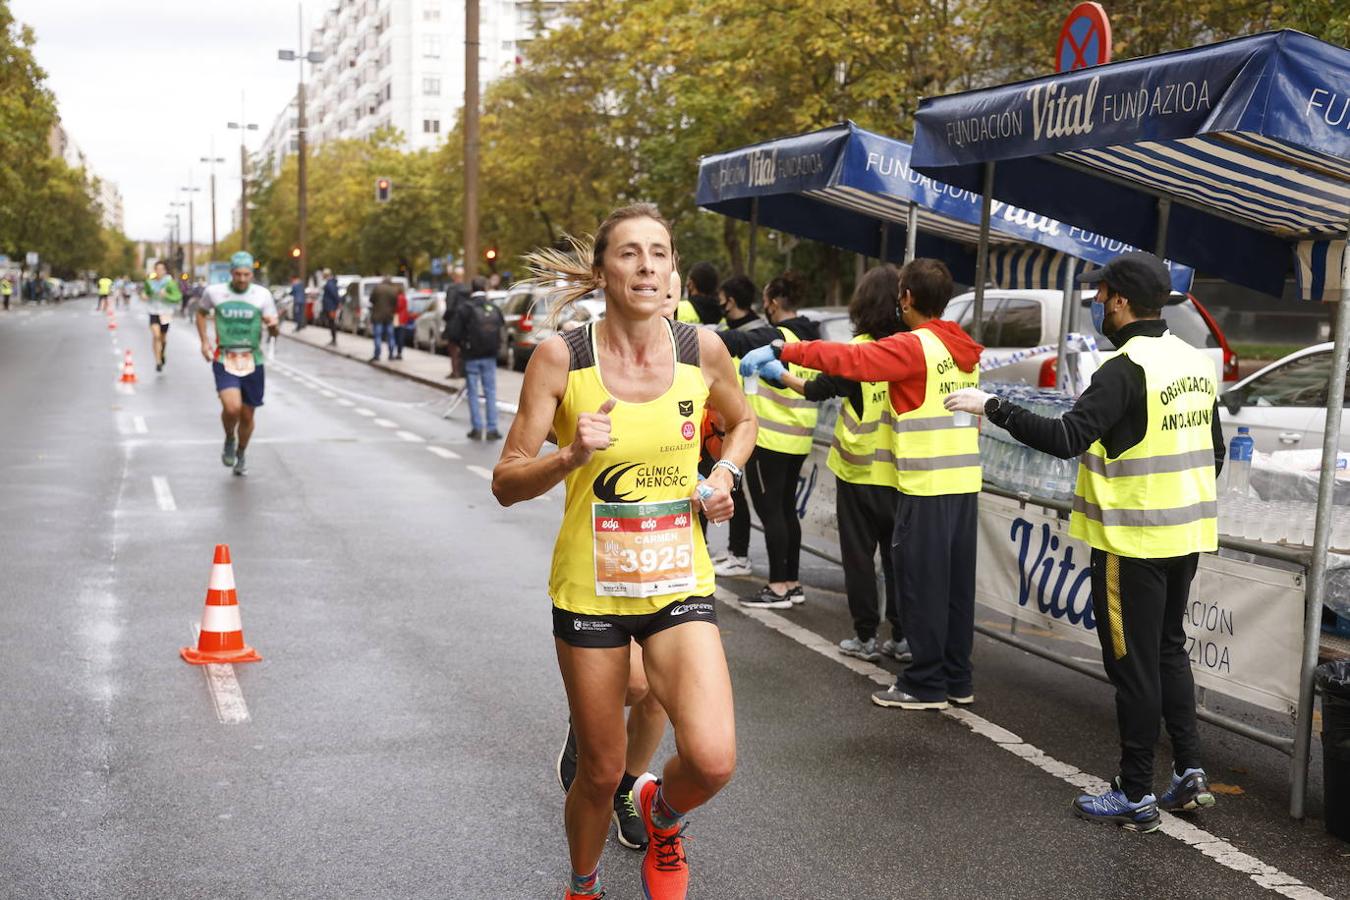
(383, 330)
(481, 375)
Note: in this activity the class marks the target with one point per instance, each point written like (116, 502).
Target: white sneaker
(732, 565)
(860, 649)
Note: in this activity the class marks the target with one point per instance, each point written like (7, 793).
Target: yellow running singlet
(630, 541)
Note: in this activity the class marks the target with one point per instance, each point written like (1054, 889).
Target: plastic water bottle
(1239, 466)
(752, 384)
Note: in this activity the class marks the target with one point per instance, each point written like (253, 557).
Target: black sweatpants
(772, 479)
(738, 539)
(865, 514)
(934, 553)
(1140, 607)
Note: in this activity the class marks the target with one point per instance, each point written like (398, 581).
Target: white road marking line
(443, 453)
(123, 388)
(1222, 852)
(163, 496)
(385, 423)
(117, 351)
(362, 411)
(138, 424)
(480, 472)
(226, 695)
(343, 401)
(409, 436)
(327, 393)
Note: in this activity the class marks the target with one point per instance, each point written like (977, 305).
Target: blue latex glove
(772, 372)
(751, 362)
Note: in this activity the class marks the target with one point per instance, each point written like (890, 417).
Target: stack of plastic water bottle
(1243, 513)
(1016, 467)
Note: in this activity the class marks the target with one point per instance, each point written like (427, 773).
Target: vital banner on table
(1244, 621)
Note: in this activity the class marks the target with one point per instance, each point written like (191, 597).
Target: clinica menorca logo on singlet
(607, 486)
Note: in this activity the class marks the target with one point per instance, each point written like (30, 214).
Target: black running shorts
(581, 630)
(162, 321)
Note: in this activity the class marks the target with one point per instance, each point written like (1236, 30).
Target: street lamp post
(300, 57)
(212, 160)
(471, 51)
(243, 126)
(178, 225)
(192, 246)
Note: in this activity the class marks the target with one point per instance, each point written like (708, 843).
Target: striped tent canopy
(854, 189)
(1234, 158)
(1015, 268)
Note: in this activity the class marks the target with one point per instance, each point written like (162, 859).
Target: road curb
(409, 376)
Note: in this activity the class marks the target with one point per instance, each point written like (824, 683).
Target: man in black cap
(1147, 430)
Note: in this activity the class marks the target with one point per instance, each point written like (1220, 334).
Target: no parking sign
(1085, 39)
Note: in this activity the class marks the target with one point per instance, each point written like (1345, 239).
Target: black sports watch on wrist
(991, 405)
(777, 346)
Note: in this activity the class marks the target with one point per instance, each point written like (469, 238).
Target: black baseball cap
(1138, 276)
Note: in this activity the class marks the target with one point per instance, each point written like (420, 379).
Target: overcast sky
(144, 86)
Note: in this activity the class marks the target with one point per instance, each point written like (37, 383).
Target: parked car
(354, 315)
(1285, 404)
(1024, 319)
(527, 310)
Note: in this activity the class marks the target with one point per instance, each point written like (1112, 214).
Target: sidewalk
(417, 365)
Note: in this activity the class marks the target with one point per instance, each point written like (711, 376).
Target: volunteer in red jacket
(937, 467)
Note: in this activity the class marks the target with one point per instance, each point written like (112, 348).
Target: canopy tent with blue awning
(1246, 141)
(855, 189)
(1233, 158)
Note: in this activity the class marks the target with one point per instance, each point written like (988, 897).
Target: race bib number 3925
(643, 549)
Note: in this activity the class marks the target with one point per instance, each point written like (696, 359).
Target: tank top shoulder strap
(686, 343)
(580, 350)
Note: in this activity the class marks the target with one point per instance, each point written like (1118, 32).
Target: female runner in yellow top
(624, 398)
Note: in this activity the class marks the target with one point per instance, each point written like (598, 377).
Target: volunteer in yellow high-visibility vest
(863, 464)
(1147, 430)
(937, 471)
(6, 289)
(787, 422)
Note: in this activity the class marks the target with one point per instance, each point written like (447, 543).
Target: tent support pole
(1164, 214)
(1065, 318)
(885, 239)
(1315, 588)
(982, 253)
(754, 233)
(911, 230)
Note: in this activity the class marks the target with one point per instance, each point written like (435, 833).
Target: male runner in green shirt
(241, 309)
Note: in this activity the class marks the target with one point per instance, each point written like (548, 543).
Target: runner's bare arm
(725, 396)
(207, 352)
(521, 473)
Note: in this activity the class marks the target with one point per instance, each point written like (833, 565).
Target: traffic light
(383, 188)
(490, 254)
(295, 252)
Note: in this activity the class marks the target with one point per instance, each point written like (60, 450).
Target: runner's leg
(596, 680)
(687, 670)
(245, 426)
(231, 404)
(646, 718)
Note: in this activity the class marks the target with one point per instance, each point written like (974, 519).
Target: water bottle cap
(1243, 429)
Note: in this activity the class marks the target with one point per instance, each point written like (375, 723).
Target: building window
(431, 126)
(431, 45)
(431, 86)
(431, 13)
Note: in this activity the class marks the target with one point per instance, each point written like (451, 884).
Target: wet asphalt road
(405, 719)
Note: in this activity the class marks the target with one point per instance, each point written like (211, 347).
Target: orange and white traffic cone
(128, 369)
(112, 321)
(222, 637)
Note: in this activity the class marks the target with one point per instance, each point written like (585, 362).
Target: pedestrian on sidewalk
(937, 467)
(383, 303)
(332, 301)
(298, 301)
(478, 331)
(7, 291)
(455, 295)
(401, 320)
(1150, 449)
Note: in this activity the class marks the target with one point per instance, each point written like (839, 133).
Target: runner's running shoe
(860, 649)
(627, 823)
(1188, 792)
(227, 454)
(797, 595)
(665, 871)
(895, 698)
(731, 566)
(767, 599)
(897, 650)
(240, 467)
(1114, 806)
(571, 896)
(567, 759)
